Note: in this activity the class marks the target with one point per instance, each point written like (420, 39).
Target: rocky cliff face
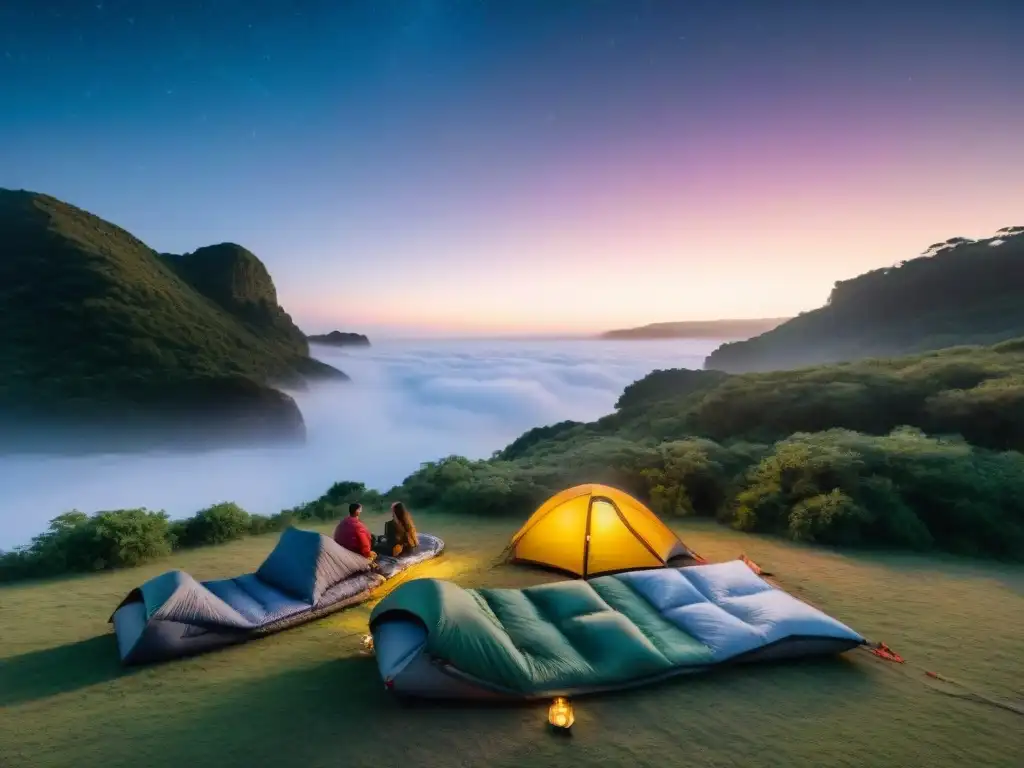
(240, 284)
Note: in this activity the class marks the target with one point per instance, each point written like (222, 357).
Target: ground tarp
(307, 575)
(436, 639)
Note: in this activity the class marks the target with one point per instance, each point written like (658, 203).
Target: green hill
(919, 452)
(100, 330)
(959, 292)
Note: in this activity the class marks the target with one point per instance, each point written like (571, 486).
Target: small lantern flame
(560, 714)
(368, 643)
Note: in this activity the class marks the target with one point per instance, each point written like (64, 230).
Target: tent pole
(586, 541)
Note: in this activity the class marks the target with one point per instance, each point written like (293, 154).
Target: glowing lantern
(368, 643)
(560, 714)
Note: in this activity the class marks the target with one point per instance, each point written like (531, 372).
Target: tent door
(586, 541)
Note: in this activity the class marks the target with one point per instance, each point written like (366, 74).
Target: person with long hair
(399, 532)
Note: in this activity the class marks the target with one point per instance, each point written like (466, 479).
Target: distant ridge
(698, 329)
(958, 292)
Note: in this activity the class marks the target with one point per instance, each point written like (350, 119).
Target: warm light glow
(368, 643)
(560, 713)
(767, 269)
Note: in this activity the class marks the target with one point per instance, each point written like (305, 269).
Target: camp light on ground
(368, 643)
(560, 713)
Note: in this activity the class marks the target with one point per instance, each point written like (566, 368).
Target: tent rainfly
(589, 530)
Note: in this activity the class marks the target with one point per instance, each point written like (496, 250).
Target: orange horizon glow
(761, 273)
(754, 228)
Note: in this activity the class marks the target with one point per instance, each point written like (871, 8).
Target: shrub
(494, 491)
(260, 524)
(771, 407)
(79, 542)
(332, 505)
(341, 494)
(832, 515)
(690, 479)
(991, 414)
(122, 538)
(218, 524)
(521, 445)
(666, 384)
(426, 486)
(901, 490)
(76, 541)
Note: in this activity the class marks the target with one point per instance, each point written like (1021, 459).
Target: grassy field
(309, 697)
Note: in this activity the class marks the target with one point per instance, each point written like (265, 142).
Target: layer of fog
(408, 403)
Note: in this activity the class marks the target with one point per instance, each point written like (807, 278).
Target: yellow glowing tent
(593, 529)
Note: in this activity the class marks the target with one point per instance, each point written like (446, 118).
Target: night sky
(525, 165)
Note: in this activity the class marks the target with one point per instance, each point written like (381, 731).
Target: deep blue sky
(469, 163)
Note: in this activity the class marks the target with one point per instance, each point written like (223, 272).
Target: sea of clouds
(407, 403)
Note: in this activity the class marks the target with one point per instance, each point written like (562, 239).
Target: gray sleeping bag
(306, 576)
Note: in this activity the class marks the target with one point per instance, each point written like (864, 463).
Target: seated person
(353, 535)
(399, 533)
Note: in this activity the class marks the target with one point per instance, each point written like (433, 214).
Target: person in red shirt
(353, 535)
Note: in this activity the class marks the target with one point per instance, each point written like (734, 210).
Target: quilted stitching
(730, 609)
(608, 631)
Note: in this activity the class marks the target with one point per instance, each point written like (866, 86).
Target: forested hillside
(959, 292)
(98, 330)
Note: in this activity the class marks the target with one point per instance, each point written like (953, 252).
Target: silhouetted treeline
(963, 292)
